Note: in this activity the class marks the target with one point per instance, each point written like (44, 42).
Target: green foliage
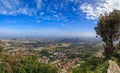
(108, 29)
(1, 48)
(102, 68)
(44, 53)
(25, 64)
(31, 65)
(92, 65)
(118, 46)
(90, 52)
(116, 59)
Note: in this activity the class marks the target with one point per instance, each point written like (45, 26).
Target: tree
(108, 28)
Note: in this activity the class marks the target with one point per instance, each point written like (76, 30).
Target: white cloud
(42, 13)
(58, 10)
(94, 10)
(8, 6)
(13, 7)
(88, 9)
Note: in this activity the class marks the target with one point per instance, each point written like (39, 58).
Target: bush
(102, 68)
(25, 64)
(1, 48)
(30, 64)
(92, 65)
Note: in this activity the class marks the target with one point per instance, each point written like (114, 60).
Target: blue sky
(60, 18)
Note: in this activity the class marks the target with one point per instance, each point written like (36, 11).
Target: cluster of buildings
(64, 56)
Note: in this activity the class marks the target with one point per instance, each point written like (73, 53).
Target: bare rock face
(113, 67)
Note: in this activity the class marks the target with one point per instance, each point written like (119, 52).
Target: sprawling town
(65, 54)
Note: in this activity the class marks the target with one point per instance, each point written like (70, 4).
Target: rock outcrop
(113, 67)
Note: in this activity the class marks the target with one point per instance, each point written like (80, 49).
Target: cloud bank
(58, 10)
(94, 10)
(13, 7)
(47, 9)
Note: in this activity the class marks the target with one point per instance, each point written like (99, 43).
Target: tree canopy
(108, 28)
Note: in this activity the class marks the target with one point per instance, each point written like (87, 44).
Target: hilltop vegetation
(95, 64)
(108, 29)
(23, 64)
(92, 65)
